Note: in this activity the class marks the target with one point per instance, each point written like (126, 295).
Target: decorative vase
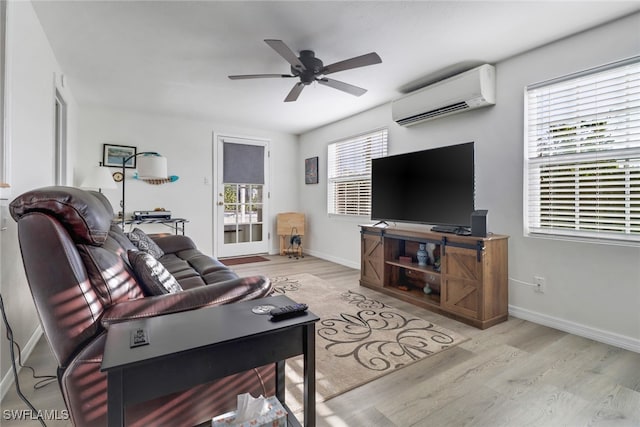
(422, 255)
(426, 289)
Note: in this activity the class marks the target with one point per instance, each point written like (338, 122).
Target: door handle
(220, 203)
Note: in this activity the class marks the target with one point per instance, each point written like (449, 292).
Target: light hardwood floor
(516, 374)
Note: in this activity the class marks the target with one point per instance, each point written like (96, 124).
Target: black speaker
(479, 223)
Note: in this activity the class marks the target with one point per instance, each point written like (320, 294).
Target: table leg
(280, 380)
(309, 351)
(115, 395)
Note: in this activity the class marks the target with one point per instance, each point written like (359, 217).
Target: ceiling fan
(310, 69)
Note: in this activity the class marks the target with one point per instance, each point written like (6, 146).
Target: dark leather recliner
(76, 264)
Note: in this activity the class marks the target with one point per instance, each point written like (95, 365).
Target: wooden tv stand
(471, 284)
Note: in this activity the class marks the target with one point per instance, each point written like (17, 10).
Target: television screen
(435, 186)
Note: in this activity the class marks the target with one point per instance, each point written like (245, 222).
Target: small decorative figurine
(422, 255)
(430, 247)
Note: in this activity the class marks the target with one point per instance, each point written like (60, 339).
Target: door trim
(217, 169)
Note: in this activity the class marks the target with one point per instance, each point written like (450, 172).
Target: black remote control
(288, 311)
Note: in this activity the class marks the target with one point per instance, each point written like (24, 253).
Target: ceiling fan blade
(347, 64)
(284, 51)
(345, 87)
(259, 76)
(295, 92)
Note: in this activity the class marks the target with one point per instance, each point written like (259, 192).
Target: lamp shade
(152, 167)
(99, 178)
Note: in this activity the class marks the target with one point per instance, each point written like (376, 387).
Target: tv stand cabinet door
(372, 259)
(462, 282)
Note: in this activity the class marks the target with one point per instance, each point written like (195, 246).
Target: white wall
(187, 144)
(32, 76)
(592, 289)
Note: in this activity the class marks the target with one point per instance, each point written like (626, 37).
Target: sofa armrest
(242, 289)
(172, 243)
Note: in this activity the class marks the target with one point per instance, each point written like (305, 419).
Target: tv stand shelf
(470, 284)
(413, 266)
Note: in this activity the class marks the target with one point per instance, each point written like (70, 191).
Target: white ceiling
(174, 57)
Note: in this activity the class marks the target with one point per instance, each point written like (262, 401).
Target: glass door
(243, 209)
(240, 197)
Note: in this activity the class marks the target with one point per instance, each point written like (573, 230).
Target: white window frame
(349, 172)
(582, 155)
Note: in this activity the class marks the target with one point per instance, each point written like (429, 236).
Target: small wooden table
(290, 224)
(188, 341)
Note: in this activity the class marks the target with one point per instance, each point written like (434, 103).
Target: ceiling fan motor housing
(312, 64)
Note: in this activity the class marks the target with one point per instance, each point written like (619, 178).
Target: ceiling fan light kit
(309, 69)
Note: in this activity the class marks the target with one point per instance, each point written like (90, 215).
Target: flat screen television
(435, 186)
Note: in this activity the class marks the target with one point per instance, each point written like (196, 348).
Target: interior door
(240, 196)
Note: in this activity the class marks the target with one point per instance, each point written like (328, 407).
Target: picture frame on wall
(311, 170)
(113, 155)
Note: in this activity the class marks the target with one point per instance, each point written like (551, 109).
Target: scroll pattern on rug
(377, 336)
(356, 335)
(282, 285)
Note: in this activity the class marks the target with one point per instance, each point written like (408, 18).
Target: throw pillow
(152, 275)
(143, 242)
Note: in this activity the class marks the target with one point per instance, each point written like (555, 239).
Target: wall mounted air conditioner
(465, 91)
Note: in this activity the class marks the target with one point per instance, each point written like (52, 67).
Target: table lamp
(98, 178)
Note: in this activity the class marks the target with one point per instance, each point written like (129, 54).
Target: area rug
(242, 260)
(358, 339)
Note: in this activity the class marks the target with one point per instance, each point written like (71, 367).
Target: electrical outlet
(540, 284)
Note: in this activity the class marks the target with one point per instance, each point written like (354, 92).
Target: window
(349, 172)
(582, 154)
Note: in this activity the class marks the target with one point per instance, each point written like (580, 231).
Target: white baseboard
(622, 341)
(27, 349)
(341, 261)
(611, 338)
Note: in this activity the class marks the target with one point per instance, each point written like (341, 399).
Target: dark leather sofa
(76, 264)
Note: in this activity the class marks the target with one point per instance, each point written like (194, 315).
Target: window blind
(582, 154)
(349, 172)
(242, 163)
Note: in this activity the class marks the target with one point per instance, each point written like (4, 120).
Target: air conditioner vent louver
(434, 113)
(466, 91)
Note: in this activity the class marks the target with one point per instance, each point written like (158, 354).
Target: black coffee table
(188, 341)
